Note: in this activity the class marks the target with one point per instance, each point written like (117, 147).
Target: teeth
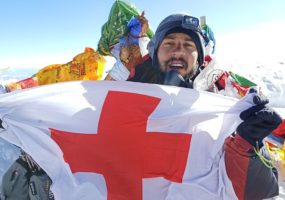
(176, 65)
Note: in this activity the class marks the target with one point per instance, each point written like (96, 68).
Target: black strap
(1, 126)
(24, 164)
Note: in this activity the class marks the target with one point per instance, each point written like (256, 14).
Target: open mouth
(176, 64)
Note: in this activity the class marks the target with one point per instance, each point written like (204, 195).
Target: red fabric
(242, 90)
(237, 158)
(280, 131)
(133, 69)
(28, 83)
(208, 59)
(122, 151)
(223, 79)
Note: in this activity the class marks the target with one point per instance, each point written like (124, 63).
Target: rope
(268, 163)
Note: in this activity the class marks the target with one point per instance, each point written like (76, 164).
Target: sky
(37, 33)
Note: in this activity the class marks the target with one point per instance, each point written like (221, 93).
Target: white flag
(123, 140)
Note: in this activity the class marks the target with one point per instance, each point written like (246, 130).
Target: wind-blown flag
(122, 140)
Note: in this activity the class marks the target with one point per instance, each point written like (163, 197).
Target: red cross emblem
(122, 151)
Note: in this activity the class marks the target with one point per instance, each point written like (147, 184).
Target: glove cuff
(252, 141)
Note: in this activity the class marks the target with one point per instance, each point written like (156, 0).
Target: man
(176, 58)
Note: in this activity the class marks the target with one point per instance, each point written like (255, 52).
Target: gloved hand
(259, 120)
(134, 26)
(32, 164)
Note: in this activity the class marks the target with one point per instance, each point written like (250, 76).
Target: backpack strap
(15, 181)
(25, 181)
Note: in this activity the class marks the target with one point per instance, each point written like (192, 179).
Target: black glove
(259, 120)
(1, 126)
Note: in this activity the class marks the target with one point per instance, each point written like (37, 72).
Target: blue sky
(36, 33)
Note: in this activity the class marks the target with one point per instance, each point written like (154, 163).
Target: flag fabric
(122, 140)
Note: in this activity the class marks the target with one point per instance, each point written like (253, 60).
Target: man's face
(178, 52)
